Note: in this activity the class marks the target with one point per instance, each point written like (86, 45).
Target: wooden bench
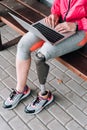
(32, 11)
(25, 11)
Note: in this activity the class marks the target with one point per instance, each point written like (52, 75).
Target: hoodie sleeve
(82, 24)
(56, 7)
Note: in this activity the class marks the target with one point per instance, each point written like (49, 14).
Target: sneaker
(39, 103)
(15, 97)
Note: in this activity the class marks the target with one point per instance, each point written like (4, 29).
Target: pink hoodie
(72, 11)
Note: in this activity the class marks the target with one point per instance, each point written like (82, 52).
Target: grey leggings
(47, 49)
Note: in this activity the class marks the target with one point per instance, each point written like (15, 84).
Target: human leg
(47, 52)
(64, 47)
(22, 68)
(23, 61)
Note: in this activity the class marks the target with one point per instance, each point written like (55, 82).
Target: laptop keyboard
(50, 34)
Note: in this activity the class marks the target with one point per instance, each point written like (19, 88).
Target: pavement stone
(85, 97)
(45, 117)
(67, 112)
(62, 88)
(6, 54)
(3, 63)
(84, 84)
(4, 125)
(76, 87)
(73, 125)
(60, 75)
(1, 86)
(4, 93)
(20, 112)
(77, 115)
(74, 76)
(9, 82)
(11, 71)
(16, 123)
(36, 124)
(13, 50)
(59, 65)
(6, 114)
(85, 111)
(59, 114)
(76, 100)
(55, 125)
(61, 100)
(3, 74)
(32, 75)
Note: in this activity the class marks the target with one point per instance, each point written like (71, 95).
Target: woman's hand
(65, 27)
(52, 20)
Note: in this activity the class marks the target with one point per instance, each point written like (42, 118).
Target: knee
(39, 58)
(24, 44)
(22, 47)
(23, 52)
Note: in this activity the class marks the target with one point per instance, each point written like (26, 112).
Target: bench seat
(77, 61)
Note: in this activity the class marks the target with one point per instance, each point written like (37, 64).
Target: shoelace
(13, 93)
(38, 99)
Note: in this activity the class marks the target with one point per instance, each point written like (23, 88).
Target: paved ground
(67, 112)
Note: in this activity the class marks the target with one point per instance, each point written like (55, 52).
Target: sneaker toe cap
(27, 110)
(5, 105)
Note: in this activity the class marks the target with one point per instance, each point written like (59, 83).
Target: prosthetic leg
(42, 68)
(44, 98)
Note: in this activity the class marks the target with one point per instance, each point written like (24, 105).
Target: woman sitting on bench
(74, 18)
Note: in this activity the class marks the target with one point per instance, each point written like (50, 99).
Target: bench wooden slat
(14, 24)
(11, 42)
(25, 13)
(36, 6)
(28, 13)
(76, 60)
(83, 51)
